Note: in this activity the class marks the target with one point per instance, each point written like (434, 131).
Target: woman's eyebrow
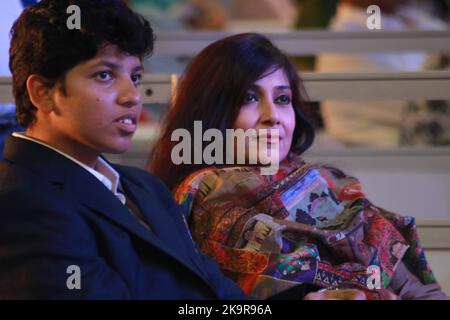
(255, 87)
(283, 87)
(280, 87)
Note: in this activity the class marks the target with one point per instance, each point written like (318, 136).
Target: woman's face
(268, 105)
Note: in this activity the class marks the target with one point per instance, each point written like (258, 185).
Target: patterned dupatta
(306, 224)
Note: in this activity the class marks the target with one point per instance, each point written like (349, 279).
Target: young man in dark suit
(73, 225)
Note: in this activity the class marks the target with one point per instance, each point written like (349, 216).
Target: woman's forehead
(275, 78)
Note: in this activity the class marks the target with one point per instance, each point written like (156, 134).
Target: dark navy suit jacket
(55, 214)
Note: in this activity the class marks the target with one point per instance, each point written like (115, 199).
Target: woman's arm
(409, 287)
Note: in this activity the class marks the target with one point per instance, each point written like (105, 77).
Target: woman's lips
(269, 138)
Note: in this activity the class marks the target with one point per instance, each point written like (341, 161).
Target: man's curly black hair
(41, 42)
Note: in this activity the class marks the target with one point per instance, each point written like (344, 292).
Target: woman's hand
(348, 294)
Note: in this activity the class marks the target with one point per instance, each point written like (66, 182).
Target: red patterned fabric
(306, 224)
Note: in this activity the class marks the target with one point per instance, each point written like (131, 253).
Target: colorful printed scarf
(306, 224)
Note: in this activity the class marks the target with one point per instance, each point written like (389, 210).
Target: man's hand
(344, 294)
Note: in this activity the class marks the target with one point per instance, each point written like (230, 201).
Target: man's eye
(136, 79)
(250, 97)
(104, 76)
(284, 99)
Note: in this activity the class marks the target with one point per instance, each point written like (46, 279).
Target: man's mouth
(127, 123)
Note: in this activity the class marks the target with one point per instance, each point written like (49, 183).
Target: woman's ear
(40, 93)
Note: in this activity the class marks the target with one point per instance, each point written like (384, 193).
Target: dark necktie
(134, 209)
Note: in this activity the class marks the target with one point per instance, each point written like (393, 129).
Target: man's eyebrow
(106, 63)
(138, 68)
(115, 66)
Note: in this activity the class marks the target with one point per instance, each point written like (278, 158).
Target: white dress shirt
(102, 170)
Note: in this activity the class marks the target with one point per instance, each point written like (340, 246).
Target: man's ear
(40, 93)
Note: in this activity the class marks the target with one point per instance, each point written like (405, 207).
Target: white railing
(188, 44)
(424, 85)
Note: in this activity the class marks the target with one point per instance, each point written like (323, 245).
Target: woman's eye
(284, 99)
(104, 76)
(136, 79)
(250, 98)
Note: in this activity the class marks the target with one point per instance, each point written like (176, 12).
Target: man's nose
(129, 94)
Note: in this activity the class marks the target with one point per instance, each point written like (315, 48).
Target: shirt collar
(106, 174)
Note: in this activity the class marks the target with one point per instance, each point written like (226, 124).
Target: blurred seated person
(428, 122)
(372, 123)
(302, 223)
(190, 14)
(177, 15)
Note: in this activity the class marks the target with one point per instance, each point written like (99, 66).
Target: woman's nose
(269, 113)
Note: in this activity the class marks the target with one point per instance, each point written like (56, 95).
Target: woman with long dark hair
(212, 90)
(302, 224)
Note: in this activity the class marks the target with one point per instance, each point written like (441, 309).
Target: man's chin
(117, 149)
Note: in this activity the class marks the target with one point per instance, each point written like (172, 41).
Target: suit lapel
(81, 185)
(98, 198)
(158, 221)
(162, 224)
